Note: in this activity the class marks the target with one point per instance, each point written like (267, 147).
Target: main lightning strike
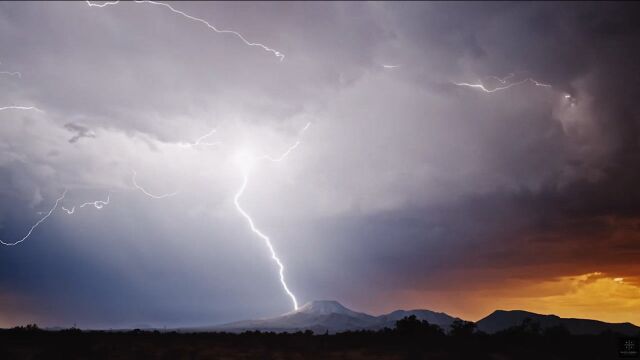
(55, 206)
(202, 21)
(264, 237)
(137, 186)
(246, 169)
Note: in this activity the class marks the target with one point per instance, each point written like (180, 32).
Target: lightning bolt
(202, 21)
(55, 205)
(137, 186)
(260, 234)
(98, 204)
(20, 108)
(12, 73)
(264, 237)
(505, 85)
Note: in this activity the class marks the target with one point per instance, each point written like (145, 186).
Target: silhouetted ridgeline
(322, 316)
(410, 339)
(500, 320)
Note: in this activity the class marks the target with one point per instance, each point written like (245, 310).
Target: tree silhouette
(462, 328)
(411, 326)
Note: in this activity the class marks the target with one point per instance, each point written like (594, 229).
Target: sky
(458, 157)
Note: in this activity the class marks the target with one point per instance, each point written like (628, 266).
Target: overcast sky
(408, 189)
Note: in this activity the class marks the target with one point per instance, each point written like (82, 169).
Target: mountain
(326, 315)
(501, 319)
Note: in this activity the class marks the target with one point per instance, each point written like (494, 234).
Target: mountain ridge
(322, 316)
(330, 316)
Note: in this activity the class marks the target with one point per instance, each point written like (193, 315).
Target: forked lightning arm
(55, 205)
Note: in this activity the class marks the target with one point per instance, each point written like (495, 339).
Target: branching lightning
(137, 186)
(202, 21)
(288, 151)
(246, 169)
(98, 204)
(55, 205)
(200, 141)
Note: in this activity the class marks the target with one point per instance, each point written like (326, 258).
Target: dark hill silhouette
(501, 319)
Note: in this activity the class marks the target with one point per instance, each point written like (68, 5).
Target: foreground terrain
(410, 339)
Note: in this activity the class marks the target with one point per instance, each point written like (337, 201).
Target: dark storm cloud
(404, 181)
(81, 132)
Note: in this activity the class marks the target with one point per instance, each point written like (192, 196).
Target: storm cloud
(406, 190)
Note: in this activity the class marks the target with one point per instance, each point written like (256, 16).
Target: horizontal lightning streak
(20, 108)
(11, 73)
(202, 21)
(502, 81)
(98, 204)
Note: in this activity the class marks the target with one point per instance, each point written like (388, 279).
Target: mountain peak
(323, 307)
